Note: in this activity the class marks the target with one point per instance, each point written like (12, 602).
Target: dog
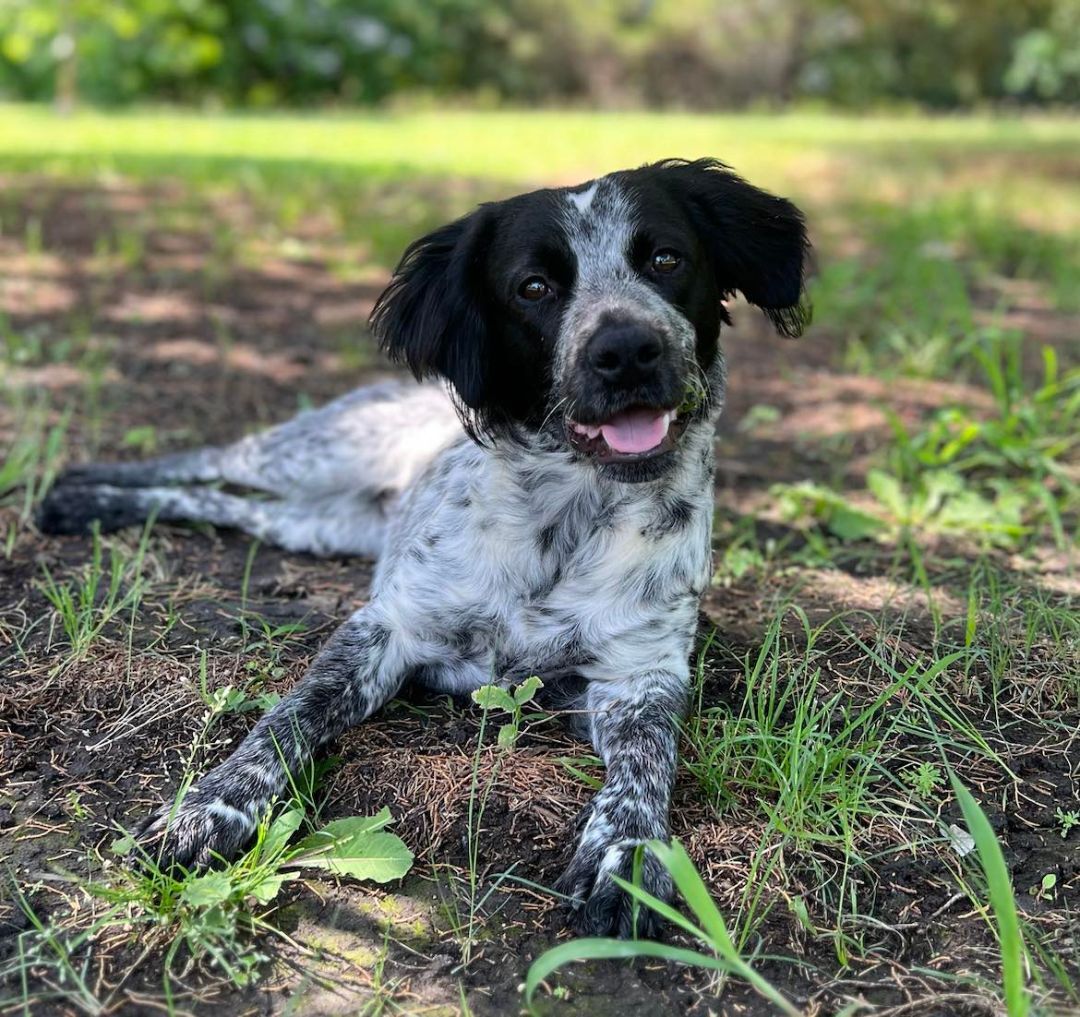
(541, 504)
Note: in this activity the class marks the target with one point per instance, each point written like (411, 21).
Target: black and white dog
(565, 532)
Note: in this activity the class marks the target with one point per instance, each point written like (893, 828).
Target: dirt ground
(161, 351)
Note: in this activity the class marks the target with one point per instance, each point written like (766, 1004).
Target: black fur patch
(675, 514)
(73, 509)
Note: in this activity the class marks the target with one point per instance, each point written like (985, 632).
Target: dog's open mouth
(634, 434)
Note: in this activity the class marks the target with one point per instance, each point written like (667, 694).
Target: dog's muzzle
(628, 406)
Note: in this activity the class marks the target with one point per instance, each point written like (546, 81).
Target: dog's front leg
(635, 731)
(361, 667)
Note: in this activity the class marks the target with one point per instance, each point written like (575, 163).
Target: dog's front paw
(194, 832)
(600, 907)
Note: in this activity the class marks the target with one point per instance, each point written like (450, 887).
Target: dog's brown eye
(665, 261)
(533, 288)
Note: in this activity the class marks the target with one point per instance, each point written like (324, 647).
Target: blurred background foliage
(694, 54)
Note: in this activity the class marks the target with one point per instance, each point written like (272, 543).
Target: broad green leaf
(270, 886)
(281, 830)
(491, 697)
(357, 847)
(123, 845)
(886, 488)
(527, 689)
(342, 829)
(508, 735)
(374, 855)
(850, 523)
(207, 890)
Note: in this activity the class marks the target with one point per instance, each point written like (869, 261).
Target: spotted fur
(503, 549)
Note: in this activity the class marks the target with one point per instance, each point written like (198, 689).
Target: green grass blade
(612, 949)
(694, 892)
(1017, 1000)
(662, 908)
(674, 858)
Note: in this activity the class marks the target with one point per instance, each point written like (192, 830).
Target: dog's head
(593, 313)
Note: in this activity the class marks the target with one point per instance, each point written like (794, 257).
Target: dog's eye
(665, 261)
(534, 288)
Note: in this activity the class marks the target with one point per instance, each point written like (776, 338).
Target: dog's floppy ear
(757, 242)
(430, 317)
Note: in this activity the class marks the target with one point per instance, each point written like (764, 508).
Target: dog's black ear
(430, 315)
(757, 242)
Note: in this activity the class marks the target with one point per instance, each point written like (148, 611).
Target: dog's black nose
(625, 354)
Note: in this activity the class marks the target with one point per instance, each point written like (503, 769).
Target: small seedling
(1067, 820)
(229, 699)
(492, 697)
(75, 807)
(924, 779)
(1045, 889)
(735, 562)
(142, 439)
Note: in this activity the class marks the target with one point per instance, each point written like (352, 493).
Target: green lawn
(525, 148)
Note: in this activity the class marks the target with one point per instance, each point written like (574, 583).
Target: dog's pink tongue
(635, 430)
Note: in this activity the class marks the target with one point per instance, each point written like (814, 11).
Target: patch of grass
(364, 172)
(1024, 639)
(217, 917)
(809, 757)
(30, 465)
(44, 343)
(1026, 446)
(907, 310)
(909, 305)
(995, 476)
(836, 782)
(86, 606)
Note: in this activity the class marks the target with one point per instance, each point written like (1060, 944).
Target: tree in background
(1046, 60)
(108, 50)
(692, 53)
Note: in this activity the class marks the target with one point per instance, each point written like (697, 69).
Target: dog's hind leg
(199, 466)
(328, 526)
(373, 440)
(337, 473)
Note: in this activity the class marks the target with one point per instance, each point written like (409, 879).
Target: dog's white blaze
(581, 200)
